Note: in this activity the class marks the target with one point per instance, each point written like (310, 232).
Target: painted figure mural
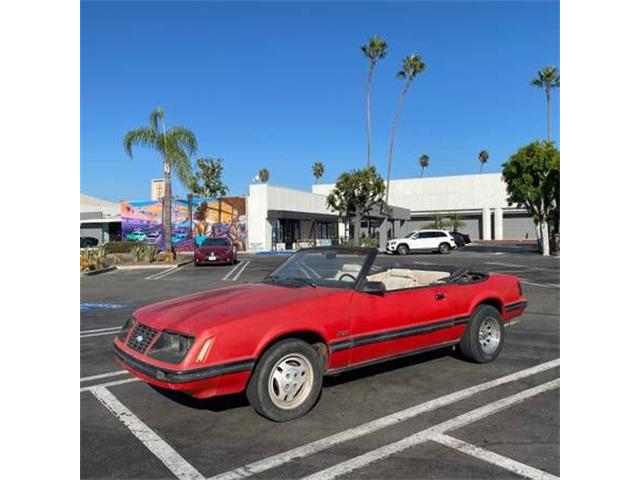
(225, 217)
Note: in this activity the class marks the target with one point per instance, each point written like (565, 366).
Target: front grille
(141, 338)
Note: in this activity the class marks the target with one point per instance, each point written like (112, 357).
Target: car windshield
(215, 242)
(409, 235)
(330, 267)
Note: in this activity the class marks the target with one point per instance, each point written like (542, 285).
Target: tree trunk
(548, 115)
(544, 229)
(369, 113)
(421, 172)
(356, 226)
(393, 138)
(166, 207)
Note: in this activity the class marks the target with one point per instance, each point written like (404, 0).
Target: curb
(98, 272)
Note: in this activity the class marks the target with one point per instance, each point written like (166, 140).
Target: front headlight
(124, 331)
(171, 347)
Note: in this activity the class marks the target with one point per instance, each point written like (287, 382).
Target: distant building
(481, 201)
(99, 219)
(157, 189)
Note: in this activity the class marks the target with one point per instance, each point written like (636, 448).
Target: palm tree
(548, 78)
(483, 157)
(263, 175)
(411, 67)
(318, 170)
(175, 145)
(374, 51)
(423, 161)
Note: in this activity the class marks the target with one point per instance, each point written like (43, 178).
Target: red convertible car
(323, 311)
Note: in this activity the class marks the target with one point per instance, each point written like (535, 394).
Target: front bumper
(202, 382)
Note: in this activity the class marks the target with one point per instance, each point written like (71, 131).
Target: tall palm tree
(412, 66)
(423, 162)
(483, 157)
(176, 146)
(548, 78)
(374, 51)
(318, 170)
(263, 175)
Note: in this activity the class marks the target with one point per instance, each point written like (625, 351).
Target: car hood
(213, 249)
(191, 314)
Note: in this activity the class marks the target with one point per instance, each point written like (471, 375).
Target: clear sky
(282, 85)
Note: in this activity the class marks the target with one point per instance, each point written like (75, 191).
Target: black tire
(444, 248)
(471, 346)
(402, 249)
(258, 387)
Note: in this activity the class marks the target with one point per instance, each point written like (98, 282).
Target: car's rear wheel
(483, 339)
(402, 250)
(286, 382)
(444, 248)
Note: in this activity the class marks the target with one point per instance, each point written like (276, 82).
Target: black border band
(515, 306)
(182, 376)
(398, 333)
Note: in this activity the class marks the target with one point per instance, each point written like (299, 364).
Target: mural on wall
(211, 217)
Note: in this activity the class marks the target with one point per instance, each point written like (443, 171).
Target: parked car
(88, 242)
(461, 239)
(137, 236)
(214, 251)
(422, 241)
(321, 312)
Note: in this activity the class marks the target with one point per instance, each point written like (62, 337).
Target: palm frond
(143, 136)
(183, 138)
(156, 117)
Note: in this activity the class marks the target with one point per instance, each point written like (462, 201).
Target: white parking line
(378, 424)
(494, 458)
(232, 271)
(82, 332)
(112, 332)
(545, 285)
(524, 267)
(162, 274)
(235, 277)
(103, 375)
(150, 439)
(109, 384)
(429, 433)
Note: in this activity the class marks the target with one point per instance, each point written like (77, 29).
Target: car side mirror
(374, 288)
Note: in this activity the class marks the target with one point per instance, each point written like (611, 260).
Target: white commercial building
(481, 201)
(280, 218)
(99, 219)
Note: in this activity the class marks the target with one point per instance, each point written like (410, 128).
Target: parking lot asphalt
(430, 416)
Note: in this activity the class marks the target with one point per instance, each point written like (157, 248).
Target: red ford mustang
(323, 311)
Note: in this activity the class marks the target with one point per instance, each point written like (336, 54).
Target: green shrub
(92, 259)
(369, 242)
(144, 253)
(120, 247)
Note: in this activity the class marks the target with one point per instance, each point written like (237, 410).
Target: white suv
(424, 241)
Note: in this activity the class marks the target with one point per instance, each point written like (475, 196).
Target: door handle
(439, 296)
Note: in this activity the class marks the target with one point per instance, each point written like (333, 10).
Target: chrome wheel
(489, 335)
(290, 381)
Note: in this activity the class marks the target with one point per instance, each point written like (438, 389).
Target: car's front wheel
(403, 250)
(483, 339)
(286, 382)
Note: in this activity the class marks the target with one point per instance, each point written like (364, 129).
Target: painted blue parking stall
(92, 307)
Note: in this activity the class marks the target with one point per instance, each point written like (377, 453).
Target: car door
(423, 241)
(398, 322)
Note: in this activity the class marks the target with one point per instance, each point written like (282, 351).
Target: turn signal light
(204, 351)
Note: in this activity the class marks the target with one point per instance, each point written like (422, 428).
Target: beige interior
(399, 278)
(350, 268)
